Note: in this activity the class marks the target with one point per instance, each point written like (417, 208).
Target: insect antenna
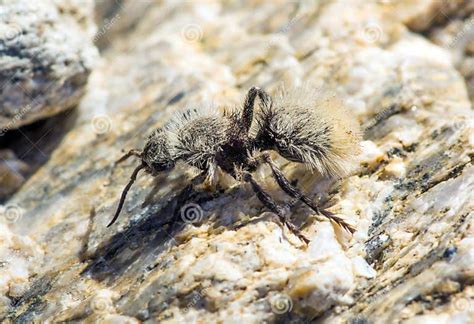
(133, 177)
(133, 152)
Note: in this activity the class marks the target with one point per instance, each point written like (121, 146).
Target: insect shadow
(155, 231)
(152, 233)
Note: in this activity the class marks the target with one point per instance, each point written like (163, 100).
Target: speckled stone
(46, 56)
(410, 197)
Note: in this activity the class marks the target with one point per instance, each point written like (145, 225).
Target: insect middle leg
(247, 115)
(294, 192)
(273, 206)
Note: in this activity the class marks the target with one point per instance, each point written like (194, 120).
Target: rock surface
(12, 171)
(46, 55)
(180, 254)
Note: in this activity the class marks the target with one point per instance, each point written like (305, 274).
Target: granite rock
(181, 254)
(46, 56)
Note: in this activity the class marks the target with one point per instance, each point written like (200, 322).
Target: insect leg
(294, 192)
(255, 162)
(272, 205)
(247, 115)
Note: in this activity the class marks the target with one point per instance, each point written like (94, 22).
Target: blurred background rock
(46, 56)
(82, 80)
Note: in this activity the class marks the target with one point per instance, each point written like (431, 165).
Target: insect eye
(161, 165)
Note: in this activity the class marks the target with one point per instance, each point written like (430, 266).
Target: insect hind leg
(268, 201)
(294, 192)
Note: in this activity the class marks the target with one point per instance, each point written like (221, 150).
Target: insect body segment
(316, 130)
(301, 127)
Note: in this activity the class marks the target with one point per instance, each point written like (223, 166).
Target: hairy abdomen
(311, 128)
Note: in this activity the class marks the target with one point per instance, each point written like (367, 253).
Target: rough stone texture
(410, 198)
(46, 56)
(115, 18)
(13, 172)
(452, 27)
